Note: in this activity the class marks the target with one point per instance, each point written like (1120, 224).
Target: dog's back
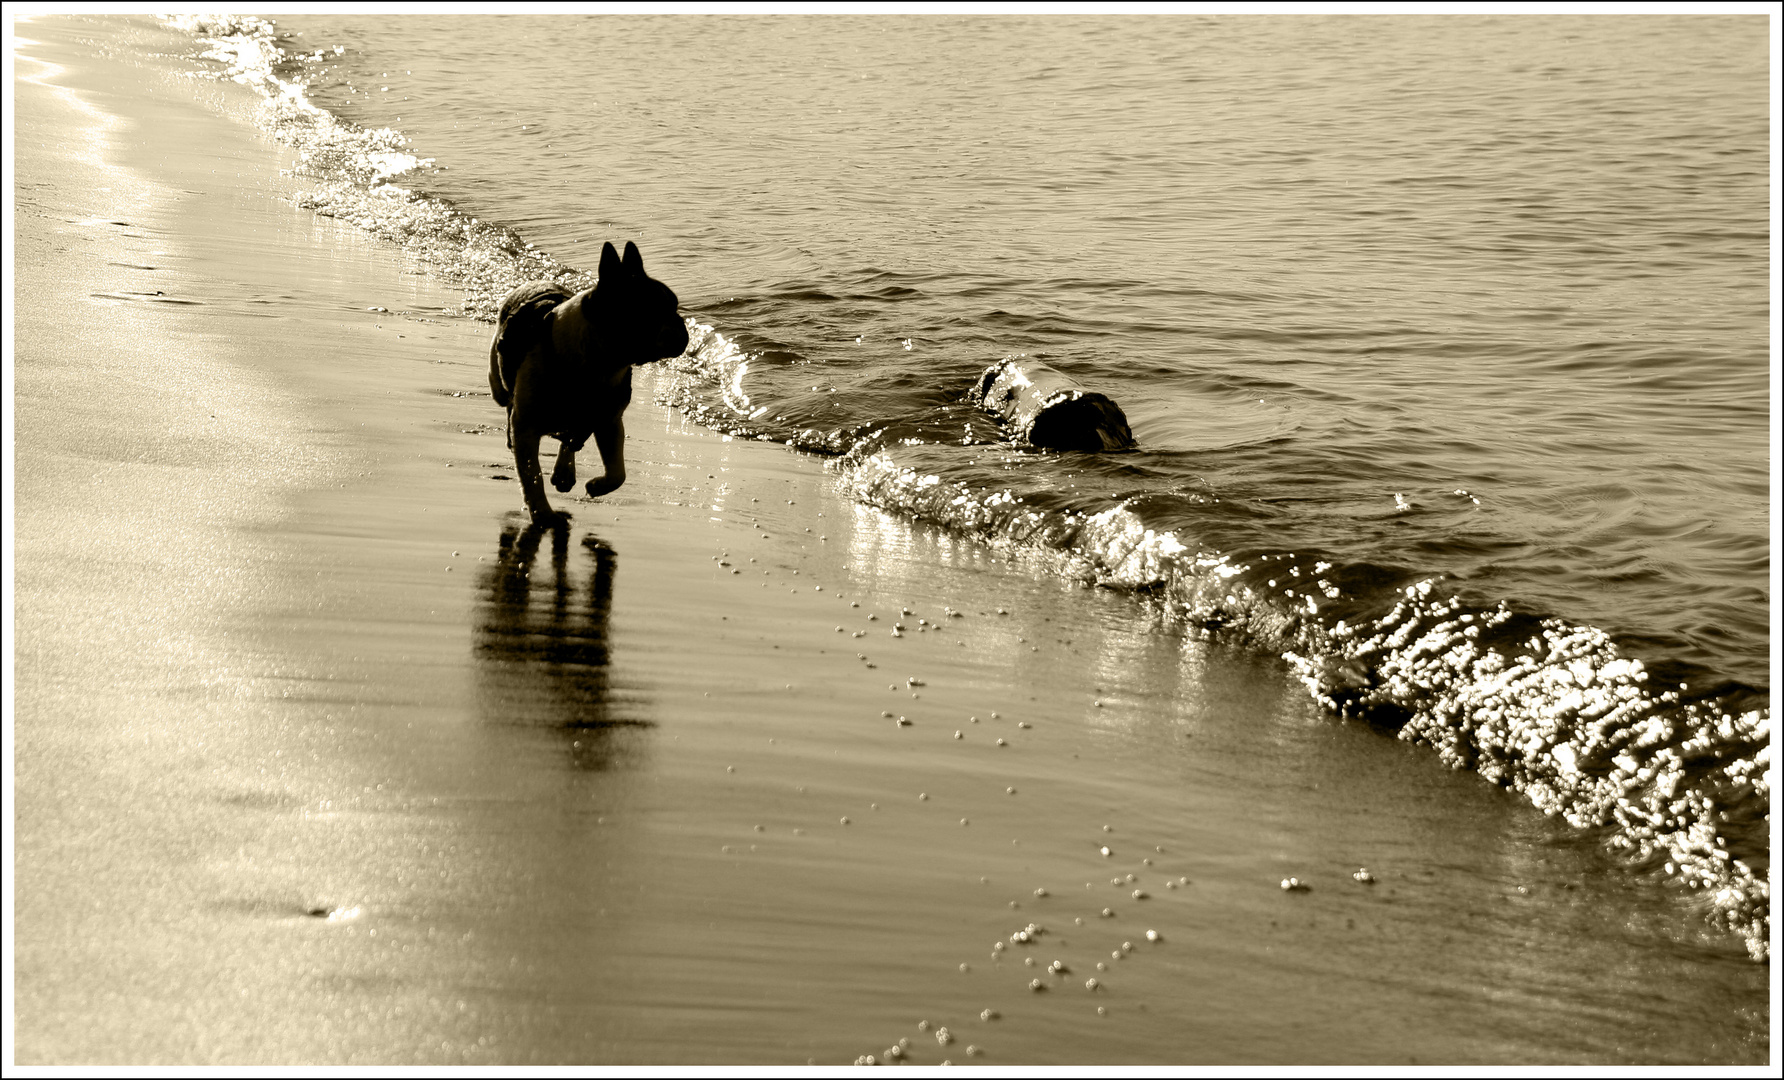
(522, 324)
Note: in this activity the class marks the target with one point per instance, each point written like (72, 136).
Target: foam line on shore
(350, 172)
(1676, 785)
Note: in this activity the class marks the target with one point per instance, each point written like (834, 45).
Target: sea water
(1444, 339)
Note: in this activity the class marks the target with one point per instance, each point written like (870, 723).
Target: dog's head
(633, 314)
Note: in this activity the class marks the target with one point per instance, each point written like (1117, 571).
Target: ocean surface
(1444, 339)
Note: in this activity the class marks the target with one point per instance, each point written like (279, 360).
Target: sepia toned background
(321, 757)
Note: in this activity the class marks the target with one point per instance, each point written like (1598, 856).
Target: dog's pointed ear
(634, 261)
(610, 264)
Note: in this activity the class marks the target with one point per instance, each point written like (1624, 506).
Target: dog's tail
(521, 325)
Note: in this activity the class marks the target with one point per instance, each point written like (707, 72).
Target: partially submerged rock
(1048, 409)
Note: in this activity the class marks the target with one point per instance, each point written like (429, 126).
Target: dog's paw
(549, 519)
(562, 482)
(598, 488)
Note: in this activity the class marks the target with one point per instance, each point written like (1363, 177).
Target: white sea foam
(1547, 708)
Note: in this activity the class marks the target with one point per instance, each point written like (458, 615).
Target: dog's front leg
(610, 438)
(532, 481)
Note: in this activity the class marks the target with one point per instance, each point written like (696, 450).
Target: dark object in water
(1047, 409)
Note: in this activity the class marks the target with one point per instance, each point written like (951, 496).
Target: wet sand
(321, 756)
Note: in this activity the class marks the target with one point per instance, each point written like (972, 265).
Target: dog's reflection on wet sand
(541, 642)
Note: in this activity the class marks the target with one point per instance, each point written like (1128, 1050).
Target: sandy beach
(321, 756)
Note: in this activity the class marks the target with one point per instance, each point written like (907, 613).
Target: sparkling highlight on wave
(1675, 786)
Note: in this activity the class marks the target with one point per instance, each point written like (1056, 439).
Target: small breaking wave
(1675, 783)
(351, 170)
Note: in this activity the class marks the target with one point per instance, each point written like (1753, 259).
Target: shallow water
(1321, 260)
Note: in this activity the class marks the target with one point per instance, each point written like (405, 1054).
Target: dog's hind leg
(532, 481)
(498, 386)
(563, 474)
(610, 438)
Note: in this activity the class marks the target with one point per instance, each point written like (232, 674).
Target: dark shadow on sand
(542, 645)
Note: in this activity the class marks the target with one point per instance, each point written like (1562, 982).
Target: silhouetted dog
(562, 366)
